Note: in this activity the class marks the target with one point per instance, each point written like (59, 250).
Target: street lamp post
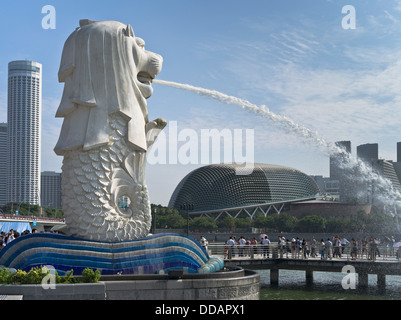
(187, 207)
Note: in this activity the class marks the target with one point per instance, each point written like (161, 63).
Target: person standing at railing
(392, 241)
(344, 243)
(377, 243)
(372, 249)
(241, 244)
(359, 248)
(234, 246)
(365, 248)
(287, 247)
(297, 248)
(230, 247)
(293, 245)
(386, 247)
(313, 244)
(329, 249)
(251, 248)
(336, 247)
(322, 249)
(354, 249)
(304, 248)
(254, 247)
(266, 243)
(247, 252)
(280, 244)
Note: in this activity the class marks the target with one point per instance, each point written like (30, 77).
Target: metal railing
(29, 218)
(370, 252)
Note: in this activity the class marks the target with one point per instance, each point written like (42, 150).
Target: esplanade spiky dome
(218, 186)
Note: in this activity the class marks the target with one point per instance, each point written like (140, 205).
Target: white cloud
(343, 85)
(361, 106)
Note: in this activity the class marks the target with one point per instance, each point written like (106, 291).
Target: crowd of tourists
(300, 248)
(6, 238)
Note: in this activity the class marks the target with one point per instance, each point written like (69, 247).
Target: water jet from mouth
(362, 173)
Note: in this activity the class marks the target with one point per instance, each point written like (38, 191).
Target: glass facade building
(368, 152)
(3, 163)
(50, 190)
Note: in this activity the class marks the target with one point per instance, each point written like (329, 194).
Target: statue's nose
(154, 65)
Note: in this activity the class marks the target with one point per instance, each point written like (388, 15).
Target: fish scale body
(94, 180)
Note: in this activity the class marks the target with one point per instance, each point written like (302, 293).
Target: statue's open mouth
(145, 83)
(145, 77)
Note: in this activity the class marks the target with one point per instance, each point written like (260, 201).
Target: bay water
(326, 286)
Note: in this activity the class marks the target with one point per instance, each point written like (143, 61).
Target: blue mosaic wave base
(151, 255)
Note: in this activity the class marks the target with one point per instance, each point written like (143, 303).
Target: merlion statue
(106, 132)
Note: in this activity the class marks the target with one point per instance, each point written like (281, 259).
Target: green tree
(271, 222)
(260, 221)
(203, 223)
(228, 222)
(243, 222)
(311, 223)
(171, 221)
(26, 209)
(380, 222)
(336, 224)
(285, 222)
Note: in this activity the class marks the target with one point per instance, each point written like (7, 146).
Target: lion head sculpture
(106, 132)
(105, 69)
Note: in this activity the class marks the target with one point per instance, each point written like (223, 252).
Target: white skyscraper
(24, 131)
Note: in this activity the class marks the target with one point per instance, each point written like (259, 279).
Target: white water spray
(361, 173)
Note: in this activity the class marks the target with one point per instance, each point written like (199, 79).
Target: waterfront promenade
(382, 262)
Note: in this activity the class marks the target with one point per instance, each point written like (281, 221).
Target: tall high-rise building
(3, 163)
(368, 152)
(337, 172)
(398, 151)
(336, 159)
(397, 165)
(364, 190)
(24, 131)
(386, 169)
(50, 189)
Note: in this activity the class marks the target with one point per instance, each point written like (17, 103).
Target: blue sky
(292, 56)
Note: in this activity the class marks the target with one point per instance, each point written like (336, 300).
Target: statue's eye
(140, 42)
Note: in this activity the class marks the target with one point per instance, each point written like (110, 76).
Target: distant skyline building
(338, 176)
(368, 152)
(3, 163)
(24, 131)
(351, 189)
(330, 187)
(334, 171)
(50, 189)
(386, 169)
